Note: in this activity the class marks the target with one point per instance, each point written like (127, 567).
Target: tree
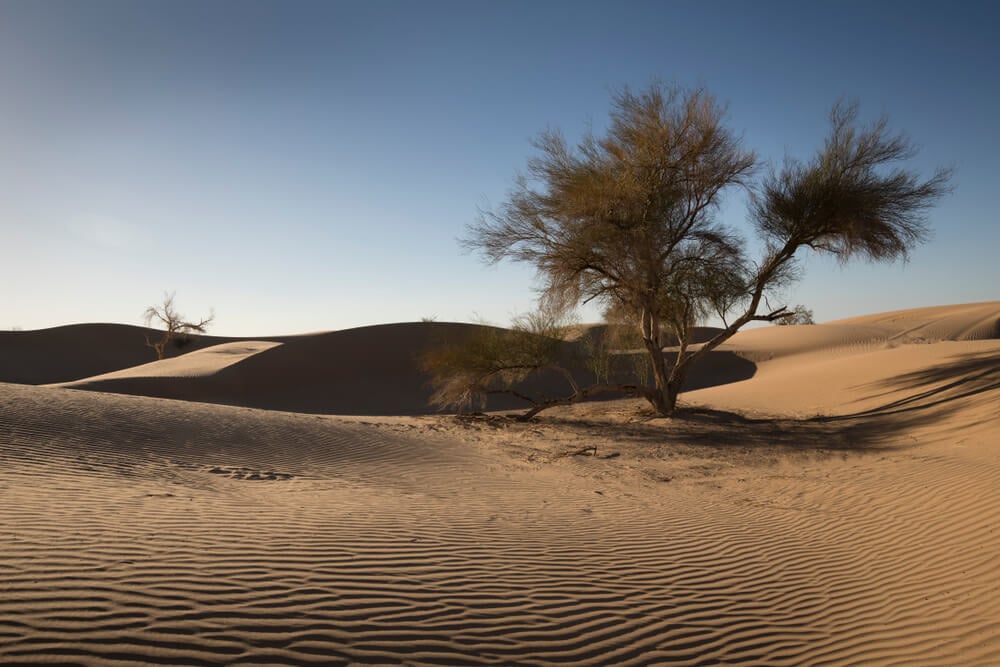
(628, 219)
(797, 315)
(176, 328)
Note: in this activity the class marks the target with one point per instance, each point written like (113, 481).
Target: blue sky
(308, 166)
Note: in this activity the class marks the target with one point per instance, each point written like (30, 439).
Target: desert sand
(828, 496)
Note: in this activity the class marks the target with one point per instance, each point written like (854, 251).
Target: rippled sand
(838, 507)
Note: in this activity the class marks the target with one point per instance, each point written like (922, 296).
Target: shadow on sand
(923, 398)
(966, 376)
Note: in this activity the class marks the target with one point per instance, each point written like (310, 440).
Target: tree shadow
(729, 430)
(925, 398)
(966, 376)
(921, 398)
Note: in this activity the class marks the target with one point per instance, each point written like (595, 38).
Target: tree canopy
(629, 219)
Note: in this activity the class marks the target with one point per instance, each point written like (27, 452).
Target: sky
(309, 166)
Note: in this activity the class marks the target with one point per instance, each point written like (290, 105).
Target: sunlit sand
(828, 495)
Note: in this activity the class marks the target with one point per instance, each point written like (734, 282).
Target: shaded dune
(368, 370)
(364, 371)
(76, 351)
(134, 531)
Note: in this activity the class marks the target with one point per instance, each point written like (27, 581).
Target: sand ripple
(145, 530)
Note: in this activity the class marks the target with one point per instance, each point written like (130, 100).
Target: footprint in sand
(249, 474)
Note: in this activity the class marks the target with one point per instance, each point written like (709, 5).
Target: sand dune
(968, 322)
(972, 321)
(368, 370)
(75, 351)
(862, 364)
(364, 371)
(138, 529)
(199, 363)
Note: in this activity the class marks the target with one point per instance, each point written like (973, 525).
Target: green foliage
(494, 360)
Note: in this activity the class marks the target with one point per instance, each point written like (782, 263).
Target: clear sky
(308, 166)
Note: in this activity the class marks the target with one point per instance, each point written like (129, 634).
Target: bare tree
(628, 219)
(176, 328)
(797, 315)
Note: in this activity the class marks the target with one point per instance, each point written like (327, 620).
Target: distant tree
(628, 219)
(797, 315)
(177, 330)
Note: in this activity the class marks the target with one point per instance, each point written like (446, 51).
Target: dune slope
(854, 525)
(372, 370)
(866, 365)
(76, 351)
(147, 530)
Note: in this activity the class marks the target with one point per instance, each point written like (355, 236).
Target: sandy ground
(838, 505)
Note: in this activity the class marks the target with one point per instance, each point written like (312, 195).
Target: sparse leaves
(852, 199)
(797, 315)
(512, 361)
(494, 360)
(176, 328)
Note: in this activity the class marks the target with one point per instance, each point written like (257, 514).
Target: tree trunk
(678, 374)
(659, 396)
(673, 390)
(668, 385)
